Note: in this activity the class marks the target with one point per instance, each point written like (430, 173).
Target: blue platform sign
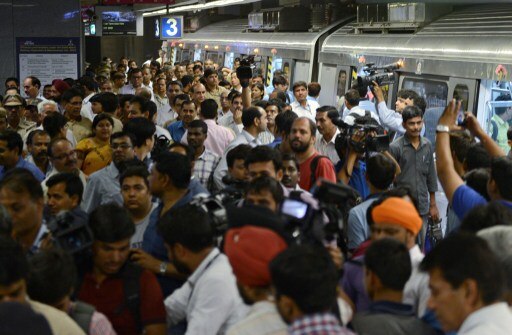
(171, 27)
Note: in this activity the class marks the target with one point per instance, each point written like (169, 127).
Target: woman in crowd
(257, 92)
(94, 152)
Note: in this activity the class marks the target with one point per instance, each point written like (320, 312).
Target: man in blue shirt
(462, 197)
(11, 147)
(187, 115)
(380, 174)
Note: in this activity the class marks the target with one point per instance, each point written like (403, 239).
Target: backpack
(82, 315)
(313, 166)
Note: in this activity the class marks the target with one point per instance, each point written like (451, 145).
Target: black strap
(131, 274)
(313, 167)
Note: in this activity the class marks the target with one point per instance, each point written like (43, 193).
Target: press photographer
(360, 137)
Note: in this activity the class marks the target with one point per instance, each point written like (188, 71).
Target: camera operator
(392, 119)
(352, 166)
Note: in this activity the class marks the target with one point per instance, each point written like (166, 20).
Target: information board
(48, 58)
(171, 27)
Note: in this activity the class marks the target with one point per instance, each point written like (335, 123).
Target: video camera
(383, 75)
(373, 137)
(70, 233)
(325, 224)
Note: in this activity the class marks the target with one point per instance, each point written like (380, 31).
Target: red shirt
(108, 296)
(324, 169)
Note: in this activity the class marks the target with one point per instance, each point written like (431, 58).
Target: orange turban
(250, 250)
(400, 212)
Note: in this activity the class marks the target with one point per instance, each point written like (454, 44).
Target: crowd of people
(107, 225)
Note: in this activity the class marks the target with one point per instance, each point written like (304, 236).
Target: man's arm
(448, 176)
(246, 95)
(389, 118)
(348, 166)
(474, 127)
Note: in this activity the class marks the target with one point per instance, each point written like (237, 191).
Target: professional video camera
(325, 224)
(371, 136)
(383, 75)
(70, 233)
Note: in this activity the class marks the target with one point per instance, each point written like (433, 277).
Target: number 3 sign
(171, 27)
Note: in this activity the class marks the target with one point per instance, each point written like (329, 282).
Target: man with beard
(63, 159)
(302, 141)
(209, 301)
(254, 120)
(103, 185)
(37, 145)
(250, 250)
(106, 283)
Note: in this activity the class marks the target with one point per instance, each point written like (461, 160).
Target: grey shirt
(418, 169)
(102, 188)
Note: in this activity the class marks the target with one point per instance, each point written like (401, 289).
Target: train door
(465, 90)
(335, 81)
(229, 59)
(301, 71)
(435, 92)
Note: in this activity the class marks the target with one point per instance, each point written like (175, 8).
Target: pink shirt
(218, 138)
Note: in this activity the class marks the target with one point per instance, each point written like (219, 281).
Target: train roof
(470, 42)
(231, 33)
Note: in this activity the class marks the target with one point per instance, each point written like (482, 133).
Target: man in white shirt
(302, 106)
(209, 300)
(254, 120)
(325, 144)
(136, 77)
(467, 284)
(233, 118)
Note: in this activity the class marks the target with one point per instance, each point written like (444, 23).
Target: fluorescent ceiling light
(208, 5)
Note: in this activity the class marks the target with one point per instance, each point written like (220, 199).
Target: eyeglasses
(122, 146)
(12, 108)
(68, 155)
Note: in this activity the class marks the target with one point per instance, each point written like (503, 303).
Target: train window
(461, 92)
(342, 83)
(435, 92)
(498, 114)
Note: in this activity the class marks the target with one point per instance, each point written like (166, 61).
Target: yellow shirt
(95, 157)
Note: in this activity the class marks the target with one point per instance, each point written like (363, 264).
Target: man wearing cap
(398, 219)
(59, 86)
(15, 106)
(250, 250)
(213, 90)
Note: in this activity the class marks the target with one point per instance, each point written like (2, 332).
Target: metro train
(464, 54)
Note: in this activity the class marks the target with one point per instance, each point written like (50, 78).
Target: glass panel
(434, 92)
(461, 92)
(342, 83)
(498, 113)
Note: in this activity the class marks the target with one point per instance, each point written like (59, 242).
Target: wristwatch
(441, 128)
(163, 268)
